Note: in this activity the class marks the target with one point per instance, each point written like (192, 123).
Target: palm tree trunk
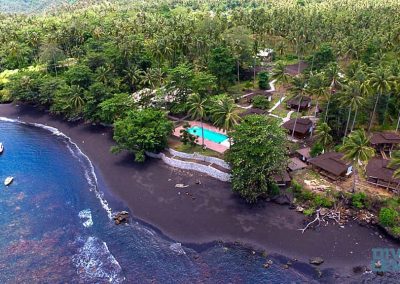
(354, 120)
(373, 112)
(398, 123)
(327, 108)
(354, 179)
(254, 72)
(238, 70)
(316, 109)
(297, 116)
(386, 107)
(348, 122)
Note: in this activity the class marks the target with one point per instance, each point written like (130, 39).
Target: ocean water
(56, 227)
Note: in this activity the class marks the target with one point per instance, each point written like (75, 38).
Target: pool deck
(220, 148)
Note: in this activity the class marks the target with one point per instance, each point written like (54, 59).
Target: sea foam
(95, 264)
(90, 174)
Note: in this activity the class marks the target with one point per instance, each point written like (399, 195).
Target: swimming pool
(208, 134)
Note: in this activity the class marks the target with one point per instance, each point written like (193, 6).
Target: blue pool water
(55, 226)
(208, 134)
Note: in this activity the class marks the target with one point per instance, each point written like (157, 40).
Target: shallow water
(56, 226)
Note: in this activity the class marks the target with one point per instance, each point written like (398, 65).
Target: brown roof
(303, 125)
(294, 68)
(378, 168)
(385, 138)
(296, 164)
(251, 96)
(294, 102)
(331, 162)
(252, 111)
(282, 177)
(305, 152)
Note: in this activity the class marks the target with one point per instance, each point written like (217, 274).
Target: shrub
(309, 211)
(322, 201)
(263, 80)
(359, 199)
(260, 102)
(396, 231)
(316, 149)
(273, 189)
(388, 217)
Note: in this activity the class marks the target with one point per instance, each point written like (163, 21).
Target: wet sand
(208, 211)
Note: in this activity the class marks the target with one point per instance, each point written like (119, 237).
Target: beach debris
(285, 266)
(332, 214)
(177, 247)
(181, 185)
(316, 260)
(121, 217)
(299, 209)
(8, 181)
(1, 148)
(378, 264)
(198, 182)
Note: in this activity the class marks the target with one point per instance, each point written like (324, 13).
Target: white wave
(95, 263)
(177, 247)
(90, 174)
(86, 214)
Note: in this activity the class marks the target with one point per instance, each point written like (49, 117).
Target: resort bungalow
(283, 180)
(299, 103)
(304, 127)
(251, 111)
(378, 173)
(385, 141)
(332, 165)
(303, 154)
(296, 164)
(251, 96)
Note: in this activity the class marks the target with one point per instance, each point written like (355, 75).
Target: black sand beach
(209, 211)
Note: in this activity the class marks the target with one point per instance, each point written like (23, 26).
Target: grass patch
(197, 149)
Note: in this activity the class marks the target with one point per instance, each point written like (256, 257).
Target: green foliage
(186, 137)
(309, 211)
(257, 153)
(261, 102)
(263, 80)
(322, 57)
(273, 189)
(388, 217)
(322, 201)
(396, 231)
(115, 108)
(79, 75)
(141, 131)
(222, 65)
(359, 200)
(316, 149)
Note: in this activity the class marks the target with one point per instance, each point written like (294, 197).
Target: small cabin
(251, 111)
(303, 154)
(299, 103)
(283, 180)
(302, 127)
(254, 94)
(332, 165)
(385, 141)
(295, 164)
(379, 173)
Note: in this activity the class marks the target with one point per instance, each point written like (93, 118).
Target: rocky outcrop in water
(121, 217)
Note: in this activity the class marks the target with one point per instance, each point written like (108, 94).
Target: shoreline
(207, 213)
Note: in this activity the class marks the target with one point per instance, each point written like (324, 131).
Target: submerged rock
(121, 217)
(316, 260)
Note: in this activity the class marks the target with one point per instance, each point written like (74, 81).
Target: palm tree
(132, 75)
(197, 111)
(352, 97)
(322, 134)
(279, 74)
(224, 114)
(380, 83)
(76, 99)
(356, 147)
